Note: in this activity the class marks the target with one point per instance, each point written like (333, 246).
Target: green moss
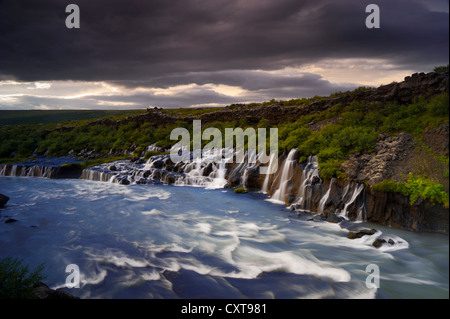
(240, 190)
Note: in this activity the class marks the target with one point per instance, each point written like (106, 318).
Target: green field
(16, 117)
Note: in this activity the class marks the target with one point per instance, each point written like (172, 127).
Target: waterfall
(324, 199)
(249, 163)
(358, 189)
(310, 176)
(218, 175)
(216, 169)
(20, 170)
(94, 175)
(286, 175)
(269, 172)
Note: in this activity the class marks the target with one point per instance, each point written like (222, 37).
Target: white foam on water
(252, 262)
(154, 212)
(122, 261)
(160, 194)
(94, 279)
(204, 228)
(150, 276)
(195, 265)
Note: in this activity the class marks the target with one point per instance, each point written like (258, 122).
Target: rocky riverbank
(297, 185)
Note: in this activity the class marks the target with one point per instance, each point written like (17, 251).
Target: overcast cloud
(170, 53)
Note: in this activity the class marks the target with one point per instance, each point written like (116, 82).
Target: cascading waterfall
(270, 171)
(310, 175)
(95, 175)
(208, 171)
(249, 164)
(218, 175)
(286, 175)
(28, 170)
(324, 199)
(310, 183)
(357, 190)
(214, 170)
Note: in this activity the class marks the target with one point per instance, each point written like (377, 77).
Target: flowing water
(160, 241)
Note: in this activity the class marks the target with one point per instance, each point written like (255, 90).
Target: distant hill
(16, 117)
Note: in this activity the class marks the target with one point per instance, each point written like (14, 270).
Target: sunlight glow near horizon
(101, 95)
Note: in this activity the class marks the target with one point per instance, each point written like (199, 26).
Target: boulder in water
(208, 169)
(378, 242)
(3, 200)
(360, 233)
(124, 182)
(158, 164)
(332, 218)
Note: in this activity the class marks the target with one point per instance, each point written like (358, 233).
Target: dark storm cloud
(246, 79)
(164, 40)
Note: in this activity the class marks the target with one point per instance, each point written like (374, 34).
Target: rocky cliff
(417, 85)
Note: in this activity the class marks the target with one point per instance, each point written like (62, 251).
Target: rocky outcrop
(383, 163)
(42, 291)
(395, 210)
(413, 87)
(3, 200)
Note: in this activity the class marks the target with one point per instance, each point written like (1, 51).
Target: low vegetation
(16, 281)
(416, 187)
(240, 190)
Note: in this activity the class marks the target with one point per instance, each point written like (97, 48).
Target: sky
(132, 54)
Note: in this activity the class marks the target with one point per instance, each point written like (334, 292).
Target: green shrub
(441, 69)
(240, 190)
(330, 168)
(416, 187)
(438, 105)
(15, 280)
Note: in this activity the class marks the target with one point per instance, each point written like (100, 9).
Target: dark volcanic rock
(332, 218)
(360, 233)
(3, 200)
(378, 242)
(42, 291)
(395, 210)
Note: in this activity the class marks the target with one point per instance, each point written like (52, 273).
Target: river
(162, 241)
